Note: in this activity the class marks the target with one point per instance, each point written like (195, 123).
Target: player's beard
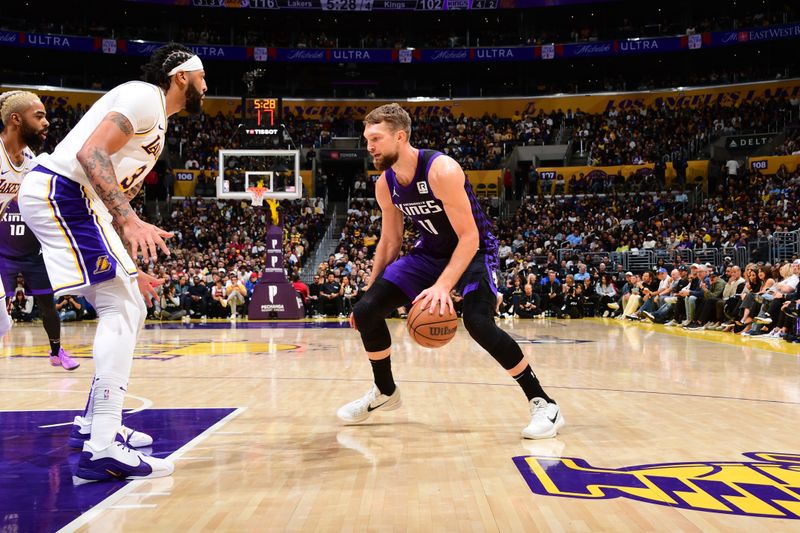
(30, 136)
(194, 100)
(386, 161)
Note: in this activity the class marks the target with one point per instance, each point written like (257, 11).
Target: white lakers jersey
(144, 105)
(11, 175)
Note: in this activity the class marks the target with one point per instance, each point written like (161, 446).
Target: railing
(647, 259)
(785, 245)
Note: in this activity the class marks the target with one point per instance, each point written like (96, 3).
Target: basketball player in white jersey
(25, 129)
(73, 201)
(24, 122)
(24, 118)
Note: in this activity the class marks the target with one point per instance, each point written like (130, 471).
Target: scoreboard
(262, 115)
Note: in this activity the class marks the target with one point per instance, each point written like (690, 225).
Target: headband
(193, 63)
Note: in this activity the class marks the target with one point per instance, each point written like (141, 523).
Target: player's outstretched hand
(434, 298)
(147, 286)
(145, 237)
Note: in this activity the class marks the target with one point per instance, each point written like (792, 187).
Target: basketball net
(257, 194)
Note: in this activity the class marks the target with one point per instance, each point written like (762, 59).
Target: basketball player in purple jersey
(24, 129)
(456, 249)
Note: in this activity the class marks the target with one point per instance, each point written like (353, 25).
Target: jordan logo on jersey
(103, 265)
(394, 192)
(154, 148)
(422, 187)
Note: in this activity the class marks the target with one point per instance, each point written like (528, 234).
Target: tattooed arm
(131, 193)
(95, 157)
(113, 132)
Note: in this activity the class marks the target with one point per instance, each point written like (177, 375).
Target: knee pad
(372, 326)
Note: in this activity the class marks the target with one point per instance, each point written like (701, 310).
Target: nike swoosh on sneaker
(553, 420)
(370, 408)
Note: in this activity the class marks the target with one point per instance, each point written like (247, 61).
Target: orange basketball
(431, 330)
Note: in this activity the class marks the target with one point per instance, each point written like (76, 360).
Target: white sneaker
(546, 420)
(671, 323)
(82, 430)
(685, 323)
(118, 461)
(359, 410)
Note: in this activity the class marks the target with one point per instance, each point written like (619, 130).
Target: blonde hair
(393, 115)
(15, 102)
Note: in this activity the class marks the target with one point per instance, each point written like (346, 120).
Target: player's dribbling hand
(144, 237)
(147, 286)
(436, 298)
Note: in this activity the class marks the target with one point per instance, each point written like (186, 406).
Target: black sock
(55, 346)
(382, 370)
(531, 386)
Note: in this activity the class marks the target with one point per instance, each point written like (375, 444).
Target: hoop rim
(257, 195)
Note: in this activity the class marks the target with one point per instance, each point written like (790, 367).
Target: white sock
(120, 311)
(87, 411)
(109, 394)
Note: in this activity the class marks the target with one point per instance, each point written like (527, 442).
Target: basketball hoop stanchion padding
(273, 295)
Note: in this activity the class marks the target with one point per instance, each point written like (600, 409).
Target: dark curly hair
(162, 61)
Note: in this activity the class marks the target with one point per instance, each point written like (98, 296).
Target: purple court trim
(36, 465)
(251, 325)
(573, 477)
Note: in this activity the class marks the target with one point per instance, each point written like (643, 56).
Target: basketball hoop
(257, 195)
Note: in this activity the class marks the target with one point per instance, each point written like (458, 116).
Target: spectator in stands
(552, 294)
(171, 305)
(713, 287)
(218, 302)
(528, 304)
(198, 298)
(773, 299)
(22, 308)
(348, 293)
(314, 307)
(69, 308)
(330, 298)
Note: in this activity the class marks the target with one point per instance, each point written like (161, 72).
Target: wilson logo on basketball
(765, 486)
(441, 331)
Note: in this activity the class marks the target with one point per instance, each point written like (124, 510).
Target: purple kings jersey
(17, 241)
(417, 201)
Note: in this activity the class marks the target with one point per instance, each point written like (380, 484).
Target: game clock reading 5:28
(262, 112)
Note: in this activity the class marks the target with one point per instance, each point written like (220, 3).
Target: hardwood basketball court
(658, 424)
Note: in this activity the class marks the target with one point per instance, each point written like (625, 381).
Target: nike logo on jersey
(3, 173)
(161, 127)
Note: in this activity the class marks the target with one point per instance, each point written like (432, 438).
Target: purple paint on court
(36, 465)
(251, 325)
